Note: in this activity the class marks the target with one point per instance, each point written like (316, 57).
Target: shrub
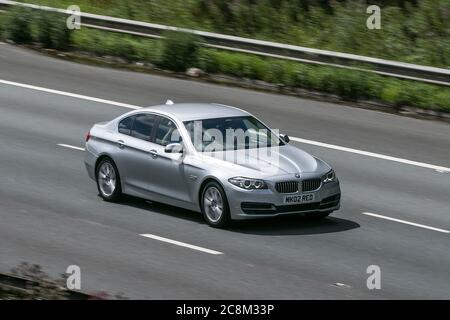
(277, 72)
(2, 26)
(207, 60)
(122, 47)
(17, 27)
(351, 84)
(255, 67)
(394, 93)
(180, 51)
(323, 79)
(60, 34)
(43, 32)
(23, 25)
(301, 77)
(52, 31)
(125, 46)
(436, 100)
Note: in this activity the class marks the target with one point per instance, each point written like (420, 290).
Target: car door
(170, 173)
(133, 157)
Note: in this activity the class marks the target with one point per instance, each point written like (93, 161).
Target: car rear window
(143, 126)
(125, 125)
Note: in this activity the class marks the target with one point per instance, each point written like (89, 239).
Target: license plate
(301, 198)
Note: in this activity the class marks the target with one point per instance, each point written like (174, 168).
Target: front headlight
(248, 183)
(330, 176)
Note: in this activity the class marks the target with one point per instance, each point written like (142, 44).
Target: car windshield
(230, 133)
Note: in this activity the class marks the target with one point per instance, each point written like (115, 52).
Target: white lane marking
(181, 244)
(317, 143)
(69, 94)
(341, 285)
(405, 222)
(70, 147)
(374, 155)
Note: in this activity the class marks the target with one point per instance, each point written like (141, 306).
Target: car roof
(197, 111)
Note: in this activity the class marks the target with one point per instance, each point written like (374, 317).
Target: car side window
(125, 125)
(167, 132)
(143, 126)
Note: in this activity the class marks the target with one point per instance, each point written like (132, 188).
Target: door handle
(121, 144)
(154, 153)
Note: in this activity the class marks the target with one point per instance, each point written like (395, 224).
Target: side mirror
(285, 138)
(174, 148)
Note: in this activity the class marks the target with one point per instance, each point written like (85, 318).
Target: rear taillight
(87, 136)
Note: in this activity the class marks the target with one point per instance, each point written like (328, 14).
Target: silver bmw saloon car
(214, 159)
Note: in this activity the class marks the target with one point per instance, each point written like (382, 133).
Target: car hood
(265, 162)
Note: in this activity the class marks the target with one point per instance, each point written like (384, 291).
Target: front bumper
(250, 204)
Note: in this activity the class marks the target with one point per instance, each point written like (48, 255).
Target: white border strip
(371, 154)
(181, 244)
(405, 222)
(68, 94)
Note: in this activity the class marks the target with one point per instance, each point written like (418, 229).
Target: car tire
(318, 215)
(214, 205)
(108, 180)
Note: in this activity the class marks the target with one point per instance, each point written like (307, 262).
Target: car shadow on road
(277, 226)
(293, 225)
(161, 208)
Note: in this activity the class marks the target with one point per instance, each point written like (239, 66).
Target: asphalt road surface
(50, 213)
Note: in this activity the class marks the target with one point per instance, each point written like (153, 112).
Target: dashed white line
(70, 147)
(312, 142)
(372, 154)
(405, 222)
(181, 244)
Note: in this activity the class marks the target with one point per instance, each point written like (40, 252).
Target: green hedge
(178, 52)
(118, 45)
(349, 84)
(2, 25)
(415, 31)
(51, 30)
(17, 25)
(23, 25)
